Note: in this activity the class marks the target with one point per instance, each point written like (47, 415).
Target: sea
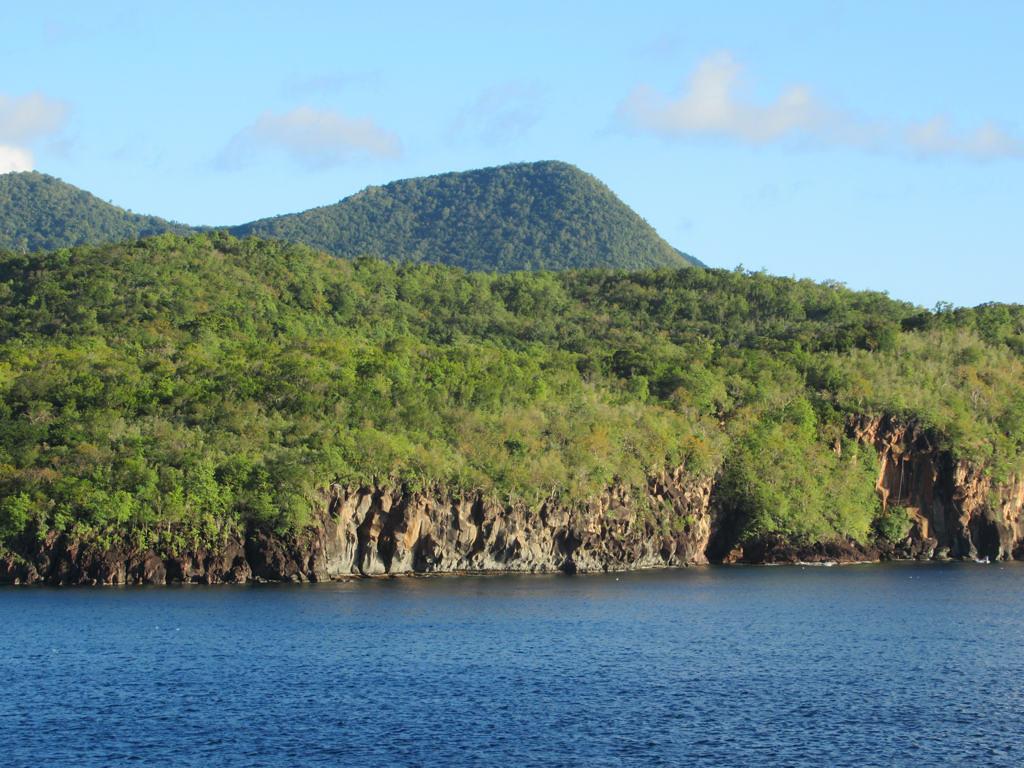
(863, 665)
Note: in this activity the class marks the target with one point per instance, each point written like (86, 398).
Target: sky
(879, 144)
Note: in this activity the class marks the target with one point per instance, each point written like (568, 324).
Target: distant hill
(527, 216)
(547, 215)
(40, 212)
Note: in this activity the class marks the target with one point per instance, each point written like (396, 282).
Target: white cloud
(14, 159)
(314, 138)
(710, 105)
(24, 120)
(936, 137)
(27, 118)
(713, 104)
(500, 114)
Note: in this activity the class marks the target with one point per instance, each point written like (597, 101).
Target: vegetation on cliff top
(181, 387)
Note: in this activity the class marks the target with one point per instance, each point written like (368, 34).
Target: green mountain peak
(524, 216)
(542, 215)
(40, 212)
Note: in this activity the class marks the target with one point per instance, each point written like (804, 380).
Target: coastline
(955, 512)
(9, 579)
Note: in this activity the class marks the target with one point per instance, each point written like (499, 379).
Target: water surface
(860, 665)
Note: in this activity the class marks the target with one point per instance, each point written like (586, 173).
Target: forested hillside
(527, 216)
(39, 212)
(184, 387)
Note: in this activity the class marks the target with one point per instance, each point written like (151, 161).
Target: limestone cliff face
(957, 511)
(384, 530)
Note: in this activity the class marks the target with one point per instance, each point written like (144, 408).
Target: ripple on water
(713, 666)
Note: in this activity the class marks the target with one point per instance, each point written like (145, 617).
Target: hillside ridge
(522, 216)
(39, 212)
(539, 215)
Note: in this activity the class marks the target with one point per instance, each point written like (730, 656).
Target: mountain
(546, 215)
(209, 408)
(40, 212)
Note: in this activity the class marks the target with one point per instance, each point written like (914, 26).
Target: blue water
(860, 665)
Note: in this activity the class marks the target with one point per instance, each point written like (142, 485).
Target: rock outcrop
(384, 530)
(957, 511)
(778, 550)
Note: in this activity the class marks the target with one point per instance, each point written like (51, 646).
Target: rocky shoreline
(957, 513)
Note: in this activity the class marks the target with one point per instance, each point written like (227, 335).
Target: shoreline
(459, 574)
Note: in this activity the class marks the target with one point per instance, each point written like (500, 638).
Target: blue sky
(878, 144)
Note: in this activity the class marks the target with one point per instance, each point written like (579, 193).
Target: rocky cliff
(956, 511)
(387, 530)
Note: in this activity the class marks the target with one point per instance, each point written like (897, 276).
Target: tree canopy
(40, 212)
(547, 215)
(187, 386)
(527, 216)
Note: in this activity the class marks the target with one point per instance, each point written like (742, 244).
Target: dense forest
(547, 215)
(515, 217)
(176, 388)
(39, 212)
